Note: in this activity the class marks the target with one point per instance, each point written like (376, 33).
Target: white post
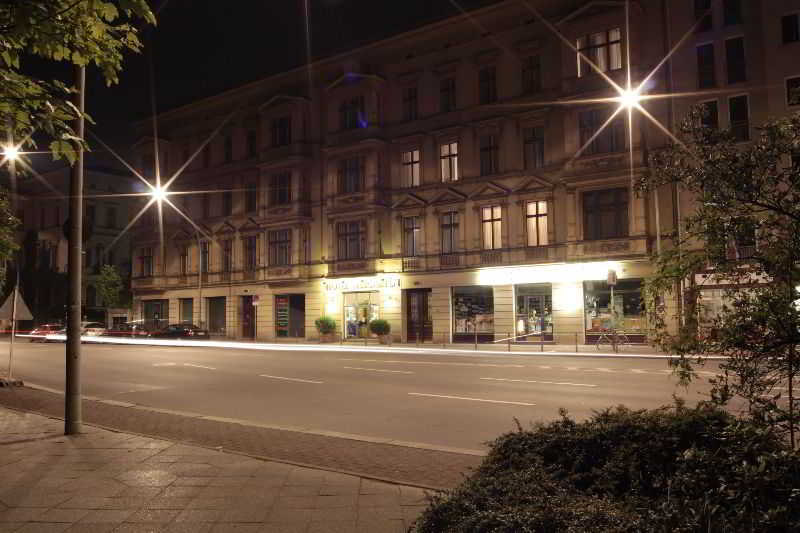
(13, 329)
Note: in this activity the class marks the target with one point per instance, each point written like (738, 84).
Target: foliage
(79, 32)
(109, 286)
(661, 470)
(742, 236)
(380, 327)
(325, 325)
(8, 225)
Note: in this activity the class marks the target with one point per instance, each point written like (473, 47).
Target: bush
(380, 327)
(661, 470)
(325, 325)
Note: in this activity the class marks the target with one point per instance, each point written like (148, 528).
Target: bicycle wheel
(604, 342)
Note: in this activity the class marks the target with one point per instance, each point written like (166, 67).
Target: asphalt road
(429, 397)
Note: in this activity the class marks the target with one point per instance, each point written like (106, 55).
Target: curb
(11, 382)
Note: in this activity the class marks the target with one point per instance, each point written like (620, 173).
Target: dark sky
(202, 47)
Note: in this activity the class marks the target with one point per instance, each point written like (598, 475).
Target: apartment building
(451, 179)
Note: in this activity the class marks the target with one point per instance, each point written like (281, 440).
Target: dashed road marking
(291, 379)
(428, 363)
(469, 399)
(545, 367)
(603, 369)
(541, 382)
(378, 370)
(199, 366)
(637, 371)
(165, 364)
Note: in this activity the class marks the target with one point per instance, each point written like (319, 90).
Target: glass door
(360, 308)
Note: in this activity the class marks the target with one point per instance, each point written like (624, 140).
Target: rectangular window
(410, 168)
(790, 28)
(204, 257)
(734, 58)
(111, 217)
(534, 147)
(489, 151)
(251, 198)
(531, 74)
(351, 114)
(280, 246)
(206, 156)
(351, 175)
(733, 12)
(184, 259)
(793, 91)
(186, 310)
(227, 203)
(250, 252)
(90, 216)
(706, 73)
(487, 85)
(280, 188)
(146, 262)
(536, 223)
(448, 157)
(473, 314)
(611, 139)
(740, 117)
(625, 315)
(449, 227)
(447, 95)
(410, 103)
(702, 13)
(710, 118)
(492, 225)
(252, 146)
(281, 131)
(227, 255)
(411, 235)
(228, 144)
(604, 49)
(352, 240)
(605, 214)
(206, 206)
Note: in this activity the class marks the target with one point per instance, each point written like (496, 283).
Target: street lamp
(11, 154)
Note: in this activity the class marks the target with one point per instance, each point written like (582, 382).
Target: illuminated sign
(358, 284)
(558, 273)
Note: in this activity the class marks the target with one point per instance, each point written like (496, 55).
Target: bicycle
(613, 340)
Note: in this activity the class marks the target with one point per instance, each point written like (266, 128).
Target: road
(430, 397)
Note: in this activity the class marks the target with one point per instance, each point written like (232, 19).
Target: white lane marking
(199, 366)
(468, 399)
(165, 364)
(637, 371)
(542, 382)
(291, 379)
(427, 363)
(603, 370)
(573, 368)
(378, 370)
(545, 367)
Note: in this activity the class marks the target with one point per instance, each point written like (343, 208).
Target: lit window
(411, 235)
(536, 217)
(351, 175)
(411, 168)
(491, 222)
(611, 139)
(604, 49)
(534, 147)
(448, 157)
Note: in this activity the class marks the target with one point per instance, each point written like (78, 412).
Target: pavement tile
(209, 503)
(219, 492)
(380, 513)
(167, 503)
(147, 478)
(283, 515)
(10, 527)
(384, 526)
(378, 500)
(180, 492)
(43, 527)
(333, 526)
(189, 527)
(376, 487)
(62, 515)
(295, 502)
(285, 527)
(300, 490)
(245, 514)
(140, 492)
(236, 528)
(20, 514)
(198, 515)
(140, 528)
(96, 527)
(191, 481)
(340, 514)
(107, 515)
(154, 515)
(411, 513)
(337, 501)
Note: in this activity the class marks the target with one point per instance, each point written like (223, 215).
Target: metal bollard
(576, 341)
(509, 342)
(541, 341)
(476, 338)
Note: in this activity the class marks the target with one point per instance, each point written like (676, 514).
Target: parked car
(129, 330)
(39, 333)
(88, 329)
(180, 331)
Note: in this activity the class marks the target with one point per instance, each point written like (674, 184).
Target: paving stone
(380, 513)
(96, 527)
(384, 526)
(189, 527)
(236, 528)
(44, 527)
(167, 503)
(333, 526)
(198, 515)
(295, 502)
(340, 514)
(107, 515)
(140, 528)
(69, 516)
(154, 515)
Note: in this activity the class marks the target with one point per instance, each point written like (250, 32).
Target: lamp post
(11, 153)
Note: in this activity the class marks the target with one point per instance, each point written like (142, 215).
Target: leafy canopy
(109, 286)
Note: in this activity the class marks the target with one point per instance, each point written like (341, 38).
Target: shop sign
(365, 283)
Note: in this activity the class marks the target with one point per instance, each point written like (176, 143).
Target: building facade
(446, 179)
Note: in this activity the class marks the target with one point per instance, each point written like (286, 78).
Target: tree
(80, 32)
(110, 287)
(741, 239)
(8, 224)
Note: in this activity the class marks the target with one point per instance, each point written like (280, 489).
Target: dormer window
(351, 114)
(604, 49)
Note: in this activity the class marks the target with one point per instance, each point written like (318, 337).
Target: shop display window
(360, 308)
(534, 311)
(627, 313)
(473, 310)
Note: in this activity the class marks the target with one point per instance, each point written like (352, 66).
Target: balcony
(412, 264)
(623, 246)
(352, 266)
(492, 257)
(280, 154)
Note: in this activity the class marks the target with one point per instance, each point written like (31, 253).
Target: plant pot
(327, 337)
(385, 339)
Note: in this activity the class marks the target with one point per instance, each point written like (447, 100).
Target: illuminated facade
(431, 179)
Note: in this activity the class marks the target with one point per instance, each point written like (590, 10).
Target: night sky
(202, 47)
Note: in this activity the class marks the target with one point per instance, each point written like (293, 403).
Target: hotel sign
(364, 283)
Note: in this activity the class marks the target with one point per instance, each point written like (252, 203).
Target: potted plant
(326, 326)
(381, 328)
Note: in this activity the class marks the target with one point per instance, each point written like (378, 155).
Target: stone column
(441, 313)
(503, 311)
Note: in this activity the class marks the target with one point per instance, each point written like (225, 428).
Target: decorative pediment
(533, 184)
(489, 190)
(249, 225)
(349, 78)
(487, 57)
(225, 228)
(449, 196)
(182, 234)
(447, 67)
(407, 78)
(282, 98)
(592, 8)
(409, 201)
(529, 45)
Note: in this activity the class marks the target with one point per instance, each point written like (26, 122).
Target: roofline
(337, 56)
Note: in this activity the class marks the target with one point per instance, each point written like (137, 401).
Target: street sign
(255, 299)
(23, 312)
(612, 277)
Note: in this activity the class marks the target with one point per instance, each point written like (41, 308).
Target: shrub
(325, 325)
(380, 327)
(663, 470)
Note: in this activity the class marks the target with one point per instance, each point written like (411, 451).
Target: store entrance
(248, 313)
(360, 308)
(216, 315)
(290, 315)
(534, 312)
(419, 325)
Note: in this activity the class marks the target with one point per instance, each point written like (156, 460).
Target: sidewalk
(103, 481)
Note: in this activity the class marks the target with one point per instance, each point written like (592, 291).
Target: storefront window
(473, 312)
(534, 311)
(360, 308)
(626, 315)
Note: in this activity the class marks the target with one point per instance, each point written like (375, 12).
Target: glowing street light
(10, 152)
(629, 98)
(158, 194)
